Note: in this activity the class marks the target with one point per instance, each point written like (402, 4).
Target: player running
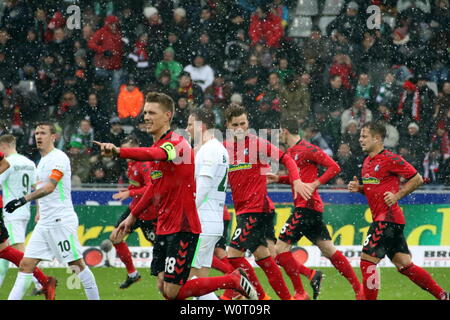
(254, 208)
(139, 179)
(211, 170)
(381, 175)
(306, 219)
(172, 194)
(56, 233)
(9, 253)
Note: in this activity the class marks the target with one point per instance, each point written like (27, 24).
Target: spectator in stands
(180, 24)
(220, 91)
(175, 42)
(209, 50)
(416, 104)
(266, 27)
(388, 92)
(236, 51)
(130, 101)
(85, 135)
(104, 93)
(351, 137)
(329, 124)
(162, 84)
(346, 161)
(296, 98)
(373, 57)
(201, 73)
(30, 50)
(312, 133)
(334, 98)
(62, 47)
(116, 133)
(79, 162)
(168, 63)
(154, 27)
(284, 70)
(98, 117)
(365, 89)
(68, 114)
(349, 24)
(414, 142)
(358, 112)
(16, 18)
(98, 174)
(249, 90)
(206, 24)
(108, 47)
(342, 66)
(139, 60)
(182, 110)
(187, 88)
(442, 108)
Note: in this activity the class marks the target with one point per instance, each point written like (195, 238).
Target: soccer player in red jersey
(172, 194)
(254, 208)
(306, 219)
(381, 175)
(139, 179)
(9, 253)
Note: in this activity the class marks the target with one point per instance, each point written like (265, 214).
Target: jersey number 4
(223, 184)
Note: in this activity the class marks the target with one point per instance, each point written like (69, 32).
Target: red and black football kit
(306, 219)
(381, 174)
(172, 196)
(254, 209)
(139, 179)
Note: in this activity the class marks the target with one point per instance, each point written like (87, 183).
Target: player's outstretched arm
(4, 164)
(412, 184)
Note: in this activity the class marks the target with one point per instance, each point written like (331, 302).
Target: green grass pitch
(394, 286)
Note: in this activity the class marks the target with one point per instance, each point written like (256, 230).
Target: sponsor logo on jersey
(135, 183)
(370, 180)
(377, 168)
(156, 174)
(241, 166)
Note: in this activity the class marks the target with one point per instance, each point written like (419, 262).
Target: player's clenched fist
(108, 149)
(353, 186)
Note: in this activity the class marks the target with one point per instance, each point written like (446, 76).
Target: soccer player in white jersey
(55, 234)
(211, 168)
(16, 181)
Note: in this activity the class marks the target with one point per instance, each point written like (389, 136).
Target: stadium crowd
(210, 54)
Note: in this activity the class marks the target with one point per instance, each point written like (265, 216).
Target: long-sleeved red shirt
(172, 192)
(308, 158)
(248, 166)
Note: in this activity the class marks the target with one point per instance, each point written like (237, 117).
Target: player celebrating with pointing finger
(381, 175)
(172, 194)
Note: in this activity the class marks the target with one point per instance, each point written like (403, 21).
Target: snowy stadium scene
(225, 150)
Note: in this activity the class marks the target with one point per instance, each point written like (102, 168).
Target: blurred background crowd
(316, 61)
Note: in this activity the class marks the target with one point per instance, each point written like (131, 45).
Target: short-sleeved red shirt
(308, 158)
(382, 174)
(139, 179)
(172, 193)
